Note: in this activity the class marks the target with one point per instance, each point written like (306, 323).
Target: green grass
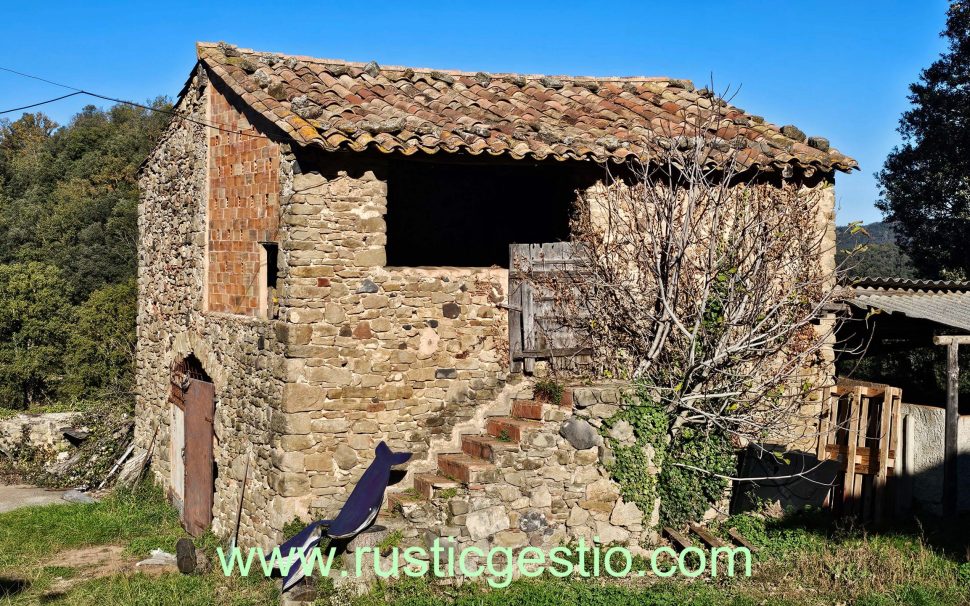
(142, 589)
(546, 593)
(390, 541)
(805, 559)
(548, 390)
(550, 592)
(448, 493)
(139, 521)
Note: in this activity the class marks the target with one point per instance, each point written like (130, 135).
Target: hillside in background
(68, 199)
(880, 257)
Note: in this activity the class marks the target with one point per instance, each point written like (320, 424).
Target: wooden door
(200, 408)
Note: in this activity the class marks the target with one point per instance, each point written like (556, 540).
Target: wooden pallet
(860, 427)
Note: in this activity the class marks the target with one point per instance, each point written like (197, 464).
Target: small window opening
(272, 269)
(269, 274)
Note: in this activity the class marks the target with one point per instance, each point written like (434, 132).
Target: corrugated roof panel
(949, 308)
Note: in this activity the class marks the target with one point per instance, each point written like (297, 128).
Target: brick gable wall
(243, 210)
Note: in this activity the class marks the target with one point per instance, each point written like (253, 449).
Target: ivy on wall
(646, 467)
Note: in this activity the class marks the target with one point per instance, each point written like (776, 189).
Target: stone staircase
(511, 477)
(475, 465)
(523, 472)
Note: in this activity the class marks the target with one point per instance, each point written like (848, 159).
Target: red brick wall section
(243, 209)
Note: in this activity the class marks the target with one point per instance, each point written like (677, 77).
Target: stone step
(509, 429)
(485, 447)
(465, 468)
(395, 499)
(527, 409)
(565, 402)
(426, 484)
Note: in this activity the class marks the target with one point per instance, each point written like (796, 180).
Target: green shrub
(291, 528)
(35, 317)
(963, 573)
(109, 424)
(548, 390)
(685, 494)
(101, 347)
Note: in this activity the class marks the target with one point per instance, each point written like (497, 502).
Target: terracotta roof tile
(341, 105)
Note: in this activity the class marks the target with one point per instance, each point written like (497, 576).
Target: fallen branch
(800, 474)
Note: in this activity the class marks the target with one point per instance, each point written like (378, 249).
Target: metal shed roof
(943, 302)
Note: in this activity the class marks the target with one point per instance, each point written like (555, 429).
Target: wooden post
(528, 325)
(952, 420)
(515, 309)
(950, 430)
(824, 423)
(862, 495)
(885, 441)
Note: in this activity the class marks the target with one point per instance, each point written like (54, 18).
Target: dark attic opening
(272, 252)
(466, 215)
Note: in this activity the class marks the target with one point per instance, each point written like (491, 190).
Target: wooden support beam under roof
(949, 339)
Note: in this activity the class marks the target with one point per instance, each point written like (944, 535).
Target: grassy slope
(802, 561)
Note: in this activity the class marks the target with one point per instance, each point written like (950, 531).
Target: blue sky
(836, 69)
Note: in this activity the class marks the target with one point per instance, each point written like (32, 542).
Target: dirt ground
(96, 562)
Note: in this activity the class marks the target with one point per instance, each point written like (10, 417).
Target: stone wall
(801, 433)
(360, 352)
(42, 431)
(374, 353)
(241, 354)
(805, 436)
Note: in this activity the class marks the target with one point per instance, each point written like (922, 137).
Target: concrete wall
(926, 444)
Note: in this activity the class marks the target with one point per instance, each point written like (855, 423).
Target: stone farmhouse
(323, 264)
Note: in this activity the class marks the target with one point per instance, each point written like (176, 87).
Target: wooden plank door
(200, 408)
(860, 427)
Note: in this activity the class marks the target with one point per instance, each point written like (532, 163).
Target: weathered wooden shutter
(540, 325)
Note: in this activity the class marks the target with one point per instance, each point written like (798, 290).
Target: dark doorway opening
(466, 215)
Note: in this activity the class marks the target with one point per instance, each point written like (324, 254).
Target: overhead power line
(23, 107)
(81, 91)
(13, 71)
